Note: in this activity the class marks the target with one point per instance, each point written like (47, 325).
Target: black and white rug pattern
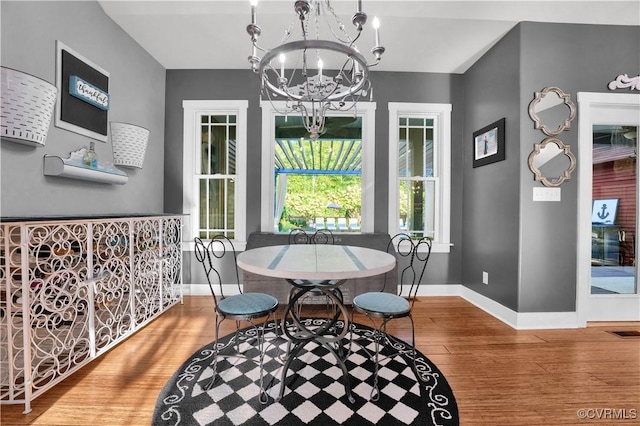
(314, 392)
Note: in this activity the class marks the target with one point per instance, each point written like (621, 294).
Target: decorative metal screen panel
(112, 282)
(56, 301)
(71, 290)
(171, 268)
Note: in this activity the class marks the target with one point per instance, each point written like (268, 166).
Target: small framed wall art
(488, 144)
(83, 102)
(604, 211)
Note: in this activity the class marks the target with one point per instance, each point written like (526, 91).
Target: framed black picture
(83, 94)
(488, 144)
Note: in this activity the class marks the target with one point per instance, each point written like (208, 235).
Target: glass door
(607, 284)
(614, 210)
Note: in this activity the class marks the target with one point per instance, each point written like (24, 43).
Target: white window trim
(190, 192)
(269, 112)
(441, 113)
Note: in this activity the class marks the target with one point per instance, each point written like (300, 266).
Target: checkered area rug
(314, 393)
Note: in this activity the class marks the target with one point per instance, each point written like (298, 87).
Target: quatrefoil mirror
(552, 111)
(552, 162)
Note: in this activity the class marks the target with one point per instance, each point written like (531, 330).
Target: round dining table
(321, 268)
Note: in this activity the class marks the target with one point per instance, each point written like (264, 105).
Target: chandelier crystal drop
(317, 67)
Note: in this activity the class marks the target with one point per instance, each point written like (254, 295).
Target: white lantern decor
(27, 107)
(129, 144)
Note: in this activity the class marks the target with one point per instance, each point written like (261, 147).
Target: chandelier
(318, 71)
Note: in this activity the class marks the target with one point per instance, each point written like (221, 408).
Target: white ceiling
(421, 36)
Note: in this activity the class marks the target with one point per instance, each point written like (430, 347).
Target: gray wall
(388, 87)
(576, 58)
(491, 205)
(137, 90)
(529, 248)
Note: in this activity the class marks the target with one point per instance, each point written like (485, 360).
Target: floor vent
(627, 334)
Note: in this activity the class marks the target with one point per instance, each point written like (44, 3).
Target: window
(339, 160)
(214, 164)
(420, 171)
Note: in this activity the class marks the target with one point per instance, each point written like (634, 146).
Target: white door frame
(599, 108)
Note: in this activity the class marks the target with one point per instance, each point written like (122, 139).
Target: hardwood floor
(499, 376)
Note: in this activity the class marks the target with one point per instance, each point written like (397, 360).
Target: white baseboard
(516, 320)
(440, 290)
(203, 289)
(547, 320)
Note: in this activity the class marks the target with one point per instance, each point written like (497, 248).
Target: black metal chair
(321, 236)
(241, 307)
(299, 236)
(386, 306)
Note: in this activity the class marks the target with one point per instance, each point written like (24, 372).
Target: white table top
(316, 261)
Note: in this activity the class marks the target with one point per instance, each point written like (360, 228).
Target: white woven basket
(129, 144)
(27, 107)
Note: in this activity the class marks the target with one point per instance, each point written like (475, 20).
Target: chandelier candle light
(342, 73)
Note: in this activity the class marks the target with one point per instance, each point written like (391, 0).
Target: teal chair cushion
(247, 304)
(387, 304)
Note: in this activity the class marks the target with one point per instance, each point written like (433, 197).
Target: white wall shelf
(63, 167)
